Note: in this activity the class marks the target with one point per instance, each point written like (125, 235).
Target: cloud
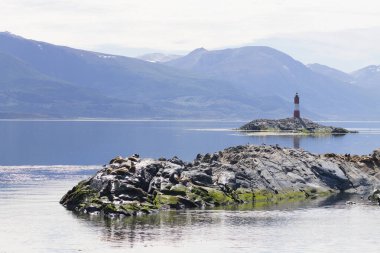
(347, 50)
(91, 24)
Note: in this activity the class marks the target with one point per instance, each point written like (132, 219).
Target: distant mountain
(158, 57)
(264, 70)
(27, 92)
(368, 77)
(331, 72)
(119, 86)
(115, 76)
(39, 79)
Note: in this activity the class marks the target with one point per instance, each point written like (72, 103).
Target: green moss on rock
(77, 196)
(110, 208)
(220, 198)
(165, 200)
(245, 195)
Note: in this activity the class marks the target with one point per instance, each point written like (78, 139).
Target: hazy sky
(135, 27)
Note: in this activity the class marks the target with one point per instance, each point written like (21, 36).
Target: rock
(197, 177)
(332, 175)
(133, 159)
(128, 164)
(304, 126)
(130, 190)
(339, 130)
(121, 171)
(148, 173)
(241, 174)
(178, 189)
(177, 161)
(165, 185)
(376, 155)
(207, 170)
(188, 203)
(118, 160)
(227, 179)
(76, 196)
(206, 158)
(375, 196)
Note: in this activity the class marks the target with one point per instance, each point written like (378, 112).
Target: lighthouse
(296, 113)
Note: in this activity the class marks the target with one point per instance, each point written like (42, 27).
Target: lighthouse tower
(296, 113)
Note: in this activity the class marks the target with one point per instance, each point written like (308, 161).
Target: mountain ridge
(268, 71)
(238, 83)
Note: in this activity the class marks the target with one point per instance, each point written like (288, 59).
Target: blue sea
(96, 142)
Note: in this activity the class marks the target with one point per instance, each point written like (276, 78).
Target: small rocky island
(241, 174)
(291, 125)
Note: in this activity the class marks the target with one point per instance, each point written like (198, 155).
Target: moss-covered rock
(80, 194)
(164, 201)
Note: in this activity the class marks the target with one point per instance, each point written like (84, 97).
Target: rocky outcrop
(257, 174)
(297, 125)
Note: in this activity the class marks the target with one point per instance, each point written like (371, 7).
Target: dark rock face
(291, 125)
(132, 186)
(375, 196)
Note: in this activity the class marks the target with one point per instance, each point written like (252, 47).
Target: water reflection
(297, 141)
(32, 214)
(297, 138)
(172, 227)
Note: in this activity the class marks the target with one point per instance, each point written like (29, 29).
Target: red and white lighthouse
(296, 113)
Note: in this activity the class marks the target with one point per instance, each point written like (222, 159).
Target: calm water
(88, 143)
(33, 221)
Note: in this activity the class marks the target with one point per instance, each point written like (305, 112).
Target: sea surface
(40, 161)
(96, 142)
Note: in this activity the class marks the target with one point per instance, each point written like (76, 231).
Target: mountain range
(41, 80)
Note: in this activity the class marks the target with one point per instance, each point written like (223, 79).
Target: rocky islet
(236, 175)
(291, 125)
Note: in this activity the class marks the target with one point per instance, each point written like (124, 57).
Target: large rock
(232, 176)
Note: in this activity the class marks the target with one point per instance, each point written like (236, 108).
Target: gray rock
(197, 177)
(291, 124)
(228, 179)
(376, 155)
(375, 196)
(177, 161)
(233, 175)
